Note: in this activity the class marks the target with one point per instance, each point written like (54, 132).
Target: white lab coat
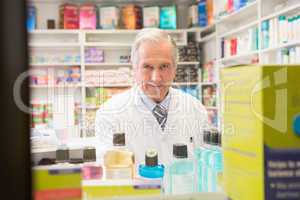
(127, 113)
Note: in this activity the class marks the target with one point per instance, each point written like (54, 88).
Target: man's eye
(164, 66)
(147, 66)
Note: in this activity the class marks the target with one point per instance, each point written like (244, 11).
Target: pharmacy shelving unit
(239, 22)
(74, 42)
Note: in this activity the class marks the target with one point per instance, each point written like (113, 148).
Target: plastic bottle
(283, 28)
(181, 171)
(151, 168)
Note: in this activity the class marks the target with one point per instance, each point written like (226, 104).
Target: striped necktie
(160, 113)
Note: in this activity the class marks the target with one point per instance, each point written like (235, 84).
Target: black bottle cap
(119, 139)
(151, 158)
(214, 137)
(62, 155)
(206, 136)
(180, 150)
(220, 139)
(89, 154)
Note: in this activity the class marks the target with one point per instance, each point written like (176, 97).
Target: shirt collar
(150, 104)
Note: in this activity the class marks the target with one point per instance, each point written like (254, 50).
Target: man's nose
(156, 76)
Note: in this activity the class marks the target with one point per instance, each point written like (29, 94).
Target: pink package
(87, 16)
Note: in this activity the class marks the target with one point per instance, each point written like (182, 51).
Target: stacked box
(69, 16)
(151, 16)
(168, 18)
(87, 16)
(109, 17)
(31, 18)
(132, 17)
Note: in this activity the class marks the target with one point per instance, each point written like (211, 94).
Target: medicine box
(261, 133)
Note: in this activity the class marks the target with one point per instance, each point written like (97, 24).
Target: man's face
(155, 70)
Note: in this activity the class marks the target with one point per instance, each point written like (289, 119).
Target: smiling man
(152, 114)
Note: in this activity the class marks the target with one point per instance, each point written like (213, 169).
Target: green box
(261, 142)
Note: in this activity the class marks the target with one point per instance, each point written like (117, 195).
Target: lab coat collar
(150, 104)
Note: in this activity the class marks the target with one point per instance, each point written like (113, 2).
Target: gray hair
(154, 35)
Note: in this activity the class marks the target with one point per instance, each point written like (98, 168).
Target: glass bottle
(119, 161)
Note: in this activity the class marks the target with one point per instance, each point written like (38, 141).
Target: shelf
(285, 45)
(56, 86)
(208, 83)
(208, 38)
(185, 84)
(201, 29)
(53, 64)
(54, 31)
(281, 12)
(110, 85)
(107, 64)
(43, 150)
(238, 57)
(240, 29)
(188, 63)
(107, 45)
(53, 45)
(92, 107)
(211, 107)
(240, 14)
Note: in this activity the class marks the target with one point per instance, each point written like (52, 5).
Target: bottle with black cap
(151, 168)
(119, 161)
(181, 171)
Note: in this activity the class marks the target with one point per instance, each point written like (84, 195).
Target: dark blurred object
(50, 24)
(15, 136)
(47, 161)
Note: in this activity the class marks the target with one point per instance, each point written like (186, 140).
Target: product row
(199, 172)
(50, 76)
(42, 114)
(227, 7)
(280, 30)
(242, 43)
(92, 16)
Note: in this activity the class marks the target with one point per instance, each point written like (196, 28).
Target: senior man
(152, 114)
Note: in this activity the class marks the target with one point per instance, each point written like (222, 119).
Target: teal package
(168, 18)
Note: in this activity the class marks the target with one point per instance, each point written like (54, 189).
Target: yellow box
(261, 132)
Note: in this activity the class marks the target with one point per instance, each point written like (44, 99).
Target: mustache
(162, 84)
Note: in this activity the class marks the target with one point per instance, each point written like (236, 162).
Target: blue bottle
(151, 168)
(181, 171)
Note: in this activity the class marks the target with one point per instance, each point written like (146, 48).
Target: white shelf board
(240, 14)
(240, 29)
(208, 38)
(281, 12)
(285, 45)
(124, 31)
(211, 107)
(56, 86)
(107, 64)
(107, 44)
(43, 150)
(208, 83)
(200, 29)
(54, 31)
(185, 84)
(237, 57)
(54, 45)
(91, 107)
(188, 63)
(53, 64)
(109, 85)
